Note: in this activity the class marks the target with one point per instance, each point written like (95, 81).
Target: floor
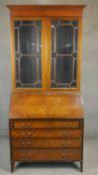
(90, 163)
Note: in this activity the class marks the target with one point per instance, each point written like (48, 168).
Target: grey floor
(90, 163)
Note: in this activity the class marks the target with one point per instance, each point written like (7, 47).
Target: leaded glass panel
(28, 56)
(64, 51)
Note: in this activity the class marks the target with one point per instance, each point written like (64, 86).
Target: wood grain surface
(27, 105)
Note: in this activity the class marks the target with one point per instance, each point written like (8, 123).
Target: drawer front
(46, 143)
(45, 155)
(46, 133)
(32, 124)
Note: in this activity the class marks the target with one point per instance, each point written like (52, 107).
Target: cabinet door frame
(14, 88)
(77, 88)
(46, 54)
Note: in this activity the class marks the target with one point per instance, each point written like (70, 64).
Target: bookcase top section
(27, 105)
(46, 10)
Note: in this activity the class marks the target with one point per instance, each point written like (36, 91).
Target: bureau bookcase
(46, 116)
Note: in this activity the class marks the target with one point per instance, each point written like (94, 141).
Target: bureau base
(46, 137)
(46, 140)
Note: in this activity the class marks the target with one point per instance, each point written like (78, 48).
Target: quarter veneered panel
(66, 106)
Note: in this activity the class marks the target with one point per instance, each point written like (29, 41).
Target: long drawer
(46, 143)
(62, 133)
(31, 124)
(45, 155)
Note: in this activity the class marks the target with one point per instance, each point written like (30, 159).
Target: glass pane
(64, 51)
(64, 70)
(16, 40)
(64, 37)
(52, 67)
(17, 67)
(27, 70)
(75, 69)
(76, 39)
(75, 23)
(28, 41)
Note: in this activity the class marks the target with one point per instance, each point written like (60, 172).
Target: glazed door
(64, 53)
(46, 53)
(29, 57)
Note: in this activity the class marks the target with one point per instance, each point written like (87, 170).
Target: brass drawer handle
(29, 124)
(66, 155)
(26, 125)
(67, 124)
(30, 133)
(26, 134)
(70, 124)
(67, 144)
(23, 134)
(29, 143)
(23, 143)
(26, 154)
(26, 143)
(67, 133)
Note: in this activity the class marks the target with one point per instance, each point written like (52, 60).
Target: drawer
(46, 143)
(45, 155)
(27, 124)
(46, 133)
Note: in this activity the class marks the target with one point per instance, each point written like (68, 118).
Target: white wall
(89, 83)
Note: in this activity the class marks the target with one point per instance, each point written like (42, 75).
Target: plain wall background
(89, 76)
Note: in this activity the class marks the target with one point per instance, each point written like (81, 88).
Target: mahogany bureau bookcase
(46, 108)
